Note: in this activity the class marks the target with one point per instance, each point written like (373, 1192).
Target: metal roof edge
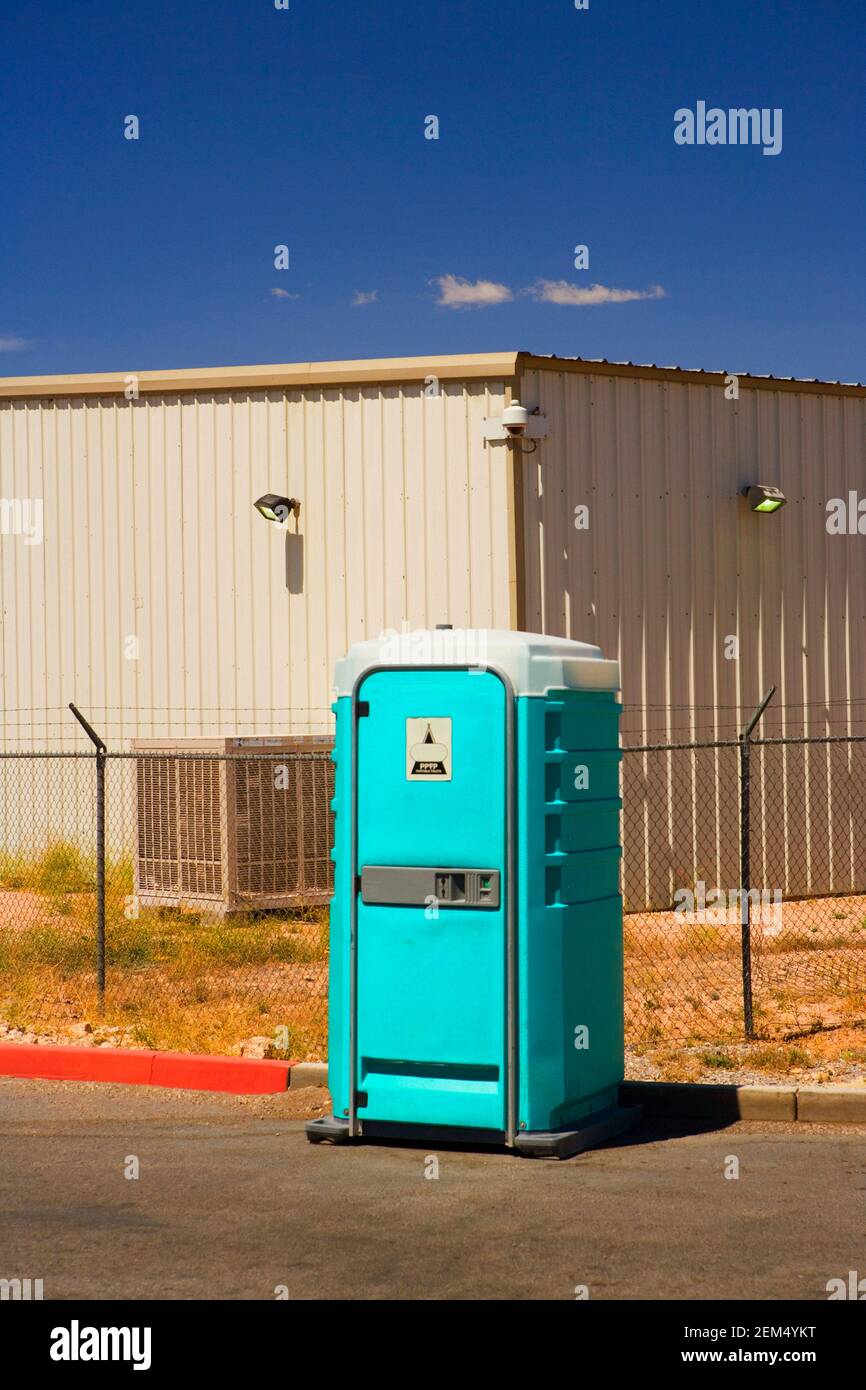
(286, 375)
(529, 361)
(500, 366)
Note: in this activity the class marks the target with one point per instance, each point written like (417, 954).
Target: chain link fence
(681, 836)
(744, 884)
(178, 899)
(169, 900)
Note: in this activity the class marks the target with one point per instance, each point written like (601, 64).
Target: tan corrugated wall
(150, 534)
(673, 563)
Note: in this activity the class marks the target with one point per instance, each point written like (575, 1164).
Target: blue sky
(305, 127)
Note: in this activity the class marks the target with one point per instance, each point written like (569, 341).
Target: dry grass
(684, 982)
(175, 980)
(836, 1055)
(189, 982)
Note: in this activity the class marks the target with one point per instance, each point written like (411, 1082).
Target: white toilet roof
(533, 662)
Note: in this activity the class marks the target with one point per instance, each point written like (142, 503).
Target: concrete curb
(308, 1074)
(831, 1104)
(241, 1076)
(248, 1076)
(692, 1100)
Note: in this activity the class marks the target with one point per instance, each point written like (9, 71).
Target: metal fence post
(746, 864)
(101, 752)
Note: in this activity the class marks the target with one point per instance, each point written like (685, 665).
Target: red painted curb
(241, 1076)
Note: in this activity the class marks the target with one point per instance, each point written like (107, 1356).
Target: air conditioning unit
(230, 833)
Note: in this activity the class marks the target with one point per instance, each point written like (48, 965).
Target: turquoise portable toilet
(476, 988)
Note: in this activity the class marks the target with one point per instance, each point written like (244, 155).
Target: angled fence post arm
(101, 751)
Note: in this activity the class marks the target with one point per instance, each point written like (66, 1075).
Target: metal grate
(156, 798)
(200, 827)
(283, 826)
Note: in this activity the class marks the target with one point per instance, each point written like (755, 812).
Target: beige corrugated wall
(672, 565)
(163, 604)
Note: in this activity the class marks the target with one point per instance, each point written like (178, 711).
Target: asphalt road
(232, 1202)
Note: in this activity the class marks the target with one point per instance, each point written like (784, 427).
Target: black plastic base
(334, 1129)
(572, 1139)
(330, 1129)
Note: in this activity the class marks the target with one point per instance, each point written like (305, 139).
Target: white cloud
(363, 297)
(10, 343)
(562, 292)
(456, 293)
(284, 294)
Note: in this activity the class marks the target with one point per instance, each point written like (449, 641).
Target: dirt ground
(684, 981)
(259, 987)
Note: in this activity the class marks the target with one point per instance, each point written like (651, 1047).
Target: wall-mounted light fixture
(762, 498)
(274, 508)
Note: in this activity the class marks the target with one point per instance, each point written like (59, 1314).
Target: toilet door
(431, 1025)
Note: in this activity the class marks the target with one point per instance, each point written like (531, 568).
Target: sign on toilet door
(428, 749)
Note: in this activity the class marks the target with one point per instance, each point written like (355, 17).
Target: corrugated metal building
(163, 604)
(674, 563)
(150, 534)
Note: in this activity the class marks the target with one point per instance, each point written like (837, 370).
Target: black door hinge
(363, 708)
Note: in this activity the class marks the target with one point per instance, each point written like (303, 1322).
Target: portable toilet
(476, 987)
